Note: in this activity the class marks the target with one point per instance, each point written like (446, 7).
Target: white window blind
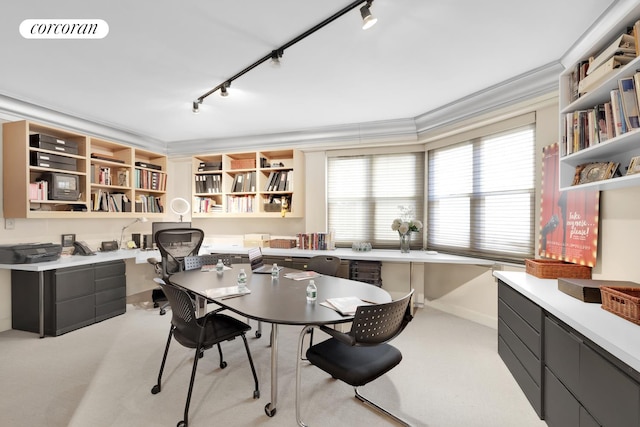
(481, 196)
(366, 193)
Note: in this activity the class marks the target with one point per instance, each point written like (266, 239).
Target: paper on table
(226, 292)
(302, 275)
(212, 267)
(346, 306)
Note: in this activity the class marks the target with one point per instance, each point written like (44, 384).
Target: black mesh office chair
(174, 245)
(324, 264)
(363, 354)
(200, 334)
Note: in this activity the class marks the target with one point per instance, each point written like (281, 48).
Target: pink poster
(568, 219)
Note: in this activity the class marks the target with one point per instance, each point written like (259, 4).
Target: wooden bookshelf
(101, 166)
(242, 184)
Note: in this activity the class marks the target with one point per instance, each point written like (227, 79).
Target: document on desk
(302, 275)
(226, 292)
(346, 306)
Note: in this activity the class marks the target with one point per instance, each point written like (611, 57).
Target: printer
(29, 253)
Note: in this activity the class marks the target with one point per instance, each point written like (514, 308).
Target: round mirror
(179, 206)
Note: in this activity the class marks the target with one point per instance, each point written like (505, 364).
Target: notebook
(257, 264)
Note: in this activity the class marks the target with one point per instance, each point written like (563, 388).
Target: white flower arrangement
(403, 227)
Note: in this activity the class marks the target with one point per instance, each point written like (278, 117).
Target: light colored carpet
(101, 375)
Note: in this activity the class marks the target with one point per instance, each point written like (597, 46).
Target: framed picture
(67, 240)
(634, 166)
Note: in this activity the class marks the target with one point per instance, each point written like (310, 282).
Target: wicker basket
(622, 301)
(283, 243)
(552, 269)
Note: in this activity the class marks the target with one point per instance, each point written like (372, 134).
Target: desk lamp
(143, 219)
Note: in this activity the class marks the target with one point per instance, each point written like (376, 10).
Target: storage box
(282, 243)
(243, 164)
(588, 290)
(53, 161)
(553, 269)
(48, 142)
(622, 301)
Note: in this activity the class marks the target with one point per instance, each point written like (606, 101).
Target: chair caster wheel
(256, 394)
(223, 364)
(201, 355)
(182, 424)
(155, 389)
(258, 334)
(163, 312)
(156, 305)
(269, 412)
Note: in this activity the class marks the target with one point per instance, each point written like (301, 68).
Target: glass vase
(405, 243)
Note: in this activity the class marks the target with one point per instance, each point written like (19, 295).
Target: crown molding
(12, 109)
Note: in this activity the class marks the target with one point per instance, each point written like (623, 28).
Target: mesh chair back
(183, 314)
(175, 244)
(197, 261)
(379, 323)
(324, 264)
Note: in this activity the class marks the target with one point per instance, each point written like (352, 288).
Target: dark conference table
(280, 301)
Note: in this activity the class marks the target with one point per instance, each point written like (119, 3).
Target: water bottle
(275, 271)
(220, 266)
(312, 291)
(242, 281)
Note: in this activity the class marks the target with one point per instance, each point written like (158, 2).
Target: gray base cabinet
(582, 385)
(74, 297)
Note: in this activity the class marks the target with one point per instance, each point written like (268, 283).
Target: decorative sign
(568, 219)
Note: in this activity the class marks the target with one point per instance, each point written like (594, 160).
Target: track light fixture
(276, 54)
(368, 20)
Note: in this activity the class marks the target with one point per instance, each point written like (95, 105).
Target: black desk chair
(324, 264)
(200, 334)
(174, 245)
(363, 354)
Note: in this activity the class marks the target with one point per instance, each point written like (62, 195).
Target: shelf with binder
(237, 184)
(54, 173)
(598, 124)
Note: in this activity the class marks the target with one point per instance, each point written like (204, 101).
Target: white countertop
(618, 336)
(75, 260)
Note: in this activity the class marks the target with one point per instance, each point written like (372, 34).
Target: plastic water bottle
(220, 266)
(242, 281)
(275, 271)
(312, 291)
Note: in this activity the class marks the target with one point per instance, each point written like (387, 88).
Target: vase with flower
(404, 229)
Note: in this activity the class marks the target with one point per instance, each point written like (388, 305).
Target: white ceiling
(160, 55)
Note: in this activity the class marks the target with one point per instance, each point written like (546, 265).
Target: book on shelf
(618, 120)
(623, 45)
(629, 100)
(591, 172)
(347, 306)
(597, 75)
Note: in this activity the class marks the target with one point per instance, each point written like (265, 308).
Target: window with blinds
(481, 196)
(366, 193)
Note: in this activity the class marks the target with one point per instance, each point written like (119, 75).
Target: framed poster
(568, 219)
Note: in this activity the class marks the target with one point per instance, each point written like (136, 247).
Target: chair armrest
(340, 336)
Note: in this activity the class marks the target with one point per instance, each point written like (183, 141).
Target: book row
(244, 182)
(210, 184)
(280, 181)
(316, 241)
(592, 126)
(150, 180)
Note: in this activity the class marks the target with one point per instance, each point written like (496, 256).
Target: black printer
(29, 253)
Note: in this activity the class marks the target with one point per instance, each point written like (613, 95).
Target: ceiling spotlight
(196, 106)
(368, 20)
(223, 90)
(275, 58)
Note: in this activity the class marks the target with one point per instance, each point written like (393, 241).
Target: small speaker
(136, 239)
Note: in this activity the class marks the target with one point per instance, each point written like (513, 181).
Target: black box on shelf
(53, 161)
(48, 142)
(148, 166)
(209, 166)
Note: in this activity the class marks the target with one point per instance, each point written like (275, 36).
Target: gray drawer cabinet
(74, 297)
(582, 384)
(519, 342)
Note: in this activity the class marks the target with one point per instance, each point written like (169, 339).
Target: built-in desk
(578, 364)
